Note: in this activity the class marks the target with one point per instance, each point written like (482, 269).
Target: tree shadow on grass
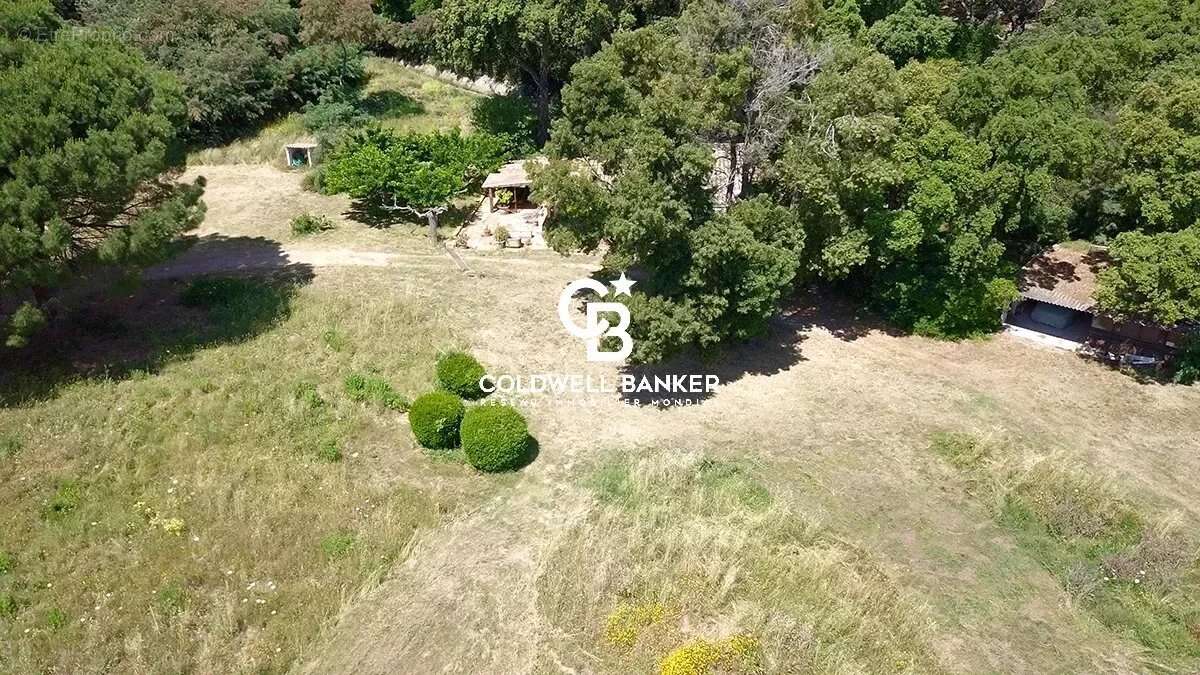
(773, 353)
(109, 334)
(391, 105)
(841, 317)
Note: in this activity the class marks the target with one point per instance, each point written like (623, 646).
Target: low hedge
(459, 372)
(435, 418)
(495, 437)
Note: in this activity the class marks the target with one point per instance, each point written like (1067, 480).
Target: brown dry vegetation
(826, 423)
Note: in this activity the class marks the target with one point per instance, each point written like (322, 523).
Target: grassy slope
(181, 519)
(401, 98)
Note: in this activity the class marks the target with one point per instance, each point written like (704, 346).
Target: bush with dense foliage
(1187, 368)
(87, 160)
(239, 63)
(1154, 277)
(417, 173)
(459, 372)
(435, 418)
(495, 437)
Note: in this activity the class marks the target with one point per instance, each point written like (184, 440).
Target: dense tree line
(242, 61)
(915, 155)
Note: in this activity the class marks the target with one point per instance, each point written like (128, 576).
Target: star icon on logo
(623, 285)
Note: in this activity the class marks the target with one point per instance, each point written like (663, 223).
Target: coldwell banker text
(561, 383)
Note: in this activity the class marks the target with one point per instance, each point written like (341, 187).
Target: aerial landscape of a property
(677, 337)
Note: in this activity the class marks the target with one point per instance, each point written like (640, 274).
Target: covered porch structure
(507, 217)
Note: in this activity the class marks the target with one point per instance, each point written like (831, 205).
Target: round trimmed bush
(459, 372)
(495, 437)
(435, 418)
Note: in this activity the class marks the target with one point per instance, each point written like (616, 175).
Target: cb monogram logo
(598, 327)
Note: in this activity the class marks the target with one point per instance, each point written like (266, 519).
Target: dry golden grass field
(848, 501)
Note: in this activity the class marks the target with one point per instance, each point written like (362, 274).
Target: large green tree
(417, 173)
(1153, 277)
(88, 144)
(533, 42)
(897, 204)
(632, 167)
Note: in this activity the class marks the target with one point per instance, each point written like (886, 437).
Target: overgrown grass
(687, 564)
(182, 520)
(1138, 577)
(397, 97)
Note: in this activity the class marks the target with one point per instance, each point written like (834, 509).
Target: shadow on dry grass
(773, 353)
(112, 333)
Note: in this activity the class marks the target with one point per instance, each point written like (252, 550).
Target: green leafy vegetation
(417, 173)
(238, 63)
(308, 223)
(375, 389)
(459, 373)
(1187, 369)
(337, 545)
(1155, 277)
(328, 451)
(495, 437)
(85, 155)
(435, 419)
(915, 155)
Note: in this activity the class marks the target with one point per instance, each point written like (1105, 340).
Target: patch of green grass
(66, 499)
(309, 397)
(9, 606)
(372, 388)
(238, 308)
(962, 451)
(6, 562)
(733, 481)
(612, 483)
(328, 451)
(9, 446)
(171, 599)
(1140, 581)
(334, 340)
(208, 439)
(338, 544)
(55, 619)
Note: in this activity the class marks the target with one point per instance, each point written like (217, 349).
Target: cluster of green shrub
(1137, 576)
(239, 63)
(418, 172)
(493, 437)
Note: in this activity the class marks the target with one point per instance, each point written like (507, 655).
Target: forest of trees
(912, 154)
